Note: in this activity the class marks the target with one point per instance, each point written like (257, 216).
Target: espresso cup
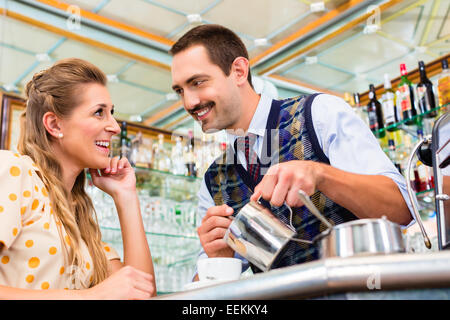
(212, 269)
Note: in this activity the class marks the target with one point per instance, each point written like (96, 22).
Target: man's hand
(212, 230)
(282, 182)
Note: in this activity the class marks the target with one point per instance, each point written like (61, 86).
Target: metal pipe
(333, 275)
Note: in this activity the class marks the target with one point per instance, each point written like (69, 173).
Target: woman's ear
(52, 124)
(240, 68)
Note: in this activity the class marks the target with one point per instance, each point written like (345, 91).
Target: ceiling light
(172, 97)
(136, 118)
(311, 60)
(371, 28)
(194, 18)
(42, 57)
(112, 78)
(317, 6)
(360, 76)
(262, 42)
(10, 87)
(420, 49)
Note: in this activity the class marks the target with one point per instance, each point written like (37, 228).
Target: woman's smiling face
(87, 132)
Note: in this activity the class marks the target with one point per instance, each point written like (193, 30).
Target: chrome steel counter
(334, 275)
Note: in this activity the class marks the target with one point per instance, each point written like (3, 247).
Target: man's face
(208, 95)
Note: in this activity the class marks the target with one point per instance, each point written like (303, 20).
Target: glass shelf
(165, 174)
(425, 192)
(153, 233)
(417, 119)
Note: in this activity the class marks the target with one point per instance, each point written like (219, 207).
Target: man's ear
(52, 124)
(240, 69)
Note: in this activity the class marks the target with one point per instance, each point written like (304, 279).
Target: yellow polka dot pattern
(14, 171)
(31, 251)
(35, 204)
(34, 262)
(29, 278)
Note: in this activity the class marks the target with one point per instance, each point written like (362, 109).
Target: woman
(49, 238)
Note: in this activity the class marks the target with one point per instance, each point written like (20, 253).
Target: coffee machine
(434, 151)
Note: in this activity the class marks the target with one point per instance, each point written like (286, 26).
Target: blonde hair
(58, 90)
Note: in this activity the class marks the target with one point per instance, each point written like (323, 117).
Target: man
(320, 146)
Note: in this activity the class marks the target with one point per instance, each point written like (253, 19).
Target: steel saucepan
(358, 237)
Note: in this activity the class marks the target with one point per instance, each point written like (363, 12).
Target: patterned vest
(228, 182)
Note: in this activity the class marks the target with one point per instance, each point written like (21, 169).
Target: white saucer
(202, 284)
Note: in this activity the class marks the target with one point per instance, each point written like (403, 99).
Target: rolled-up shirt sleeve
(350, 145)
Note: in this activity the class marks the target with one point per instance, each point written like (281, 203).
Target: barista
(315, 143)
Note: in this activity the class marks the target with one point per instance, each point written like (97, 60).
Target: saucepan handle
(312, 208)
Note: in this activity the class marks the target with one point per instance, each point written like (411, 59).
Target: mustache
(201, 106)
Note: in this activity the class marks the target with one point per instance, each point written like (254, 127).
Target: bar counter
(404, 276)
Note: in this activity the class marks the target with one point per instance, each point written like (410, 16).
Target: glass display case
(169, 211)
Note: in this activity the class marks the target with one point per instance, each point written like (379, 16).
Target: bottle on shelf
(178, 166)
(125, 142)
(359, 109)
(161, 157)
(426, 178)
(405, 96)
(426, 100)
(190, 156)
(135, 150)
(394, 155)
(391, 114)
(444, 86)
(375, 113)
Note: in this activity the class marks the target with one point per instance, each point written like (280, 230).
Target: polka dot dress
(31, 252)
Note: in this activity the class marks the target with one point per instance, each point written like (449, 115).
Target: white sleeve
(205, 201)
(349, 144)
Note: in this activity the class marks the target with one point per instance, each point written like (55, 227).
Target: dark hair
(222, 44)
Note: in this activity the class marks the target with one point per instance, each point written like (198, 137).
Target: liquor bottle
(359, 109)
(393, 155)
(161, 157)
(405, 96)
(425, 95)
(391, 115)
(375, 114)
(189, 155)
(178, 166)
(444, 86)
(425, 174)
(125, 142)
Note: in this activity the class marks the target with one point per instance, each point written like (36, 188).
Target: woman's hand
(117, 177)
(127, 283)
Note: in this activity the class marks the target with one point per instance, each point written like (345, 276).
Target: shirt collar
(259, 121)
